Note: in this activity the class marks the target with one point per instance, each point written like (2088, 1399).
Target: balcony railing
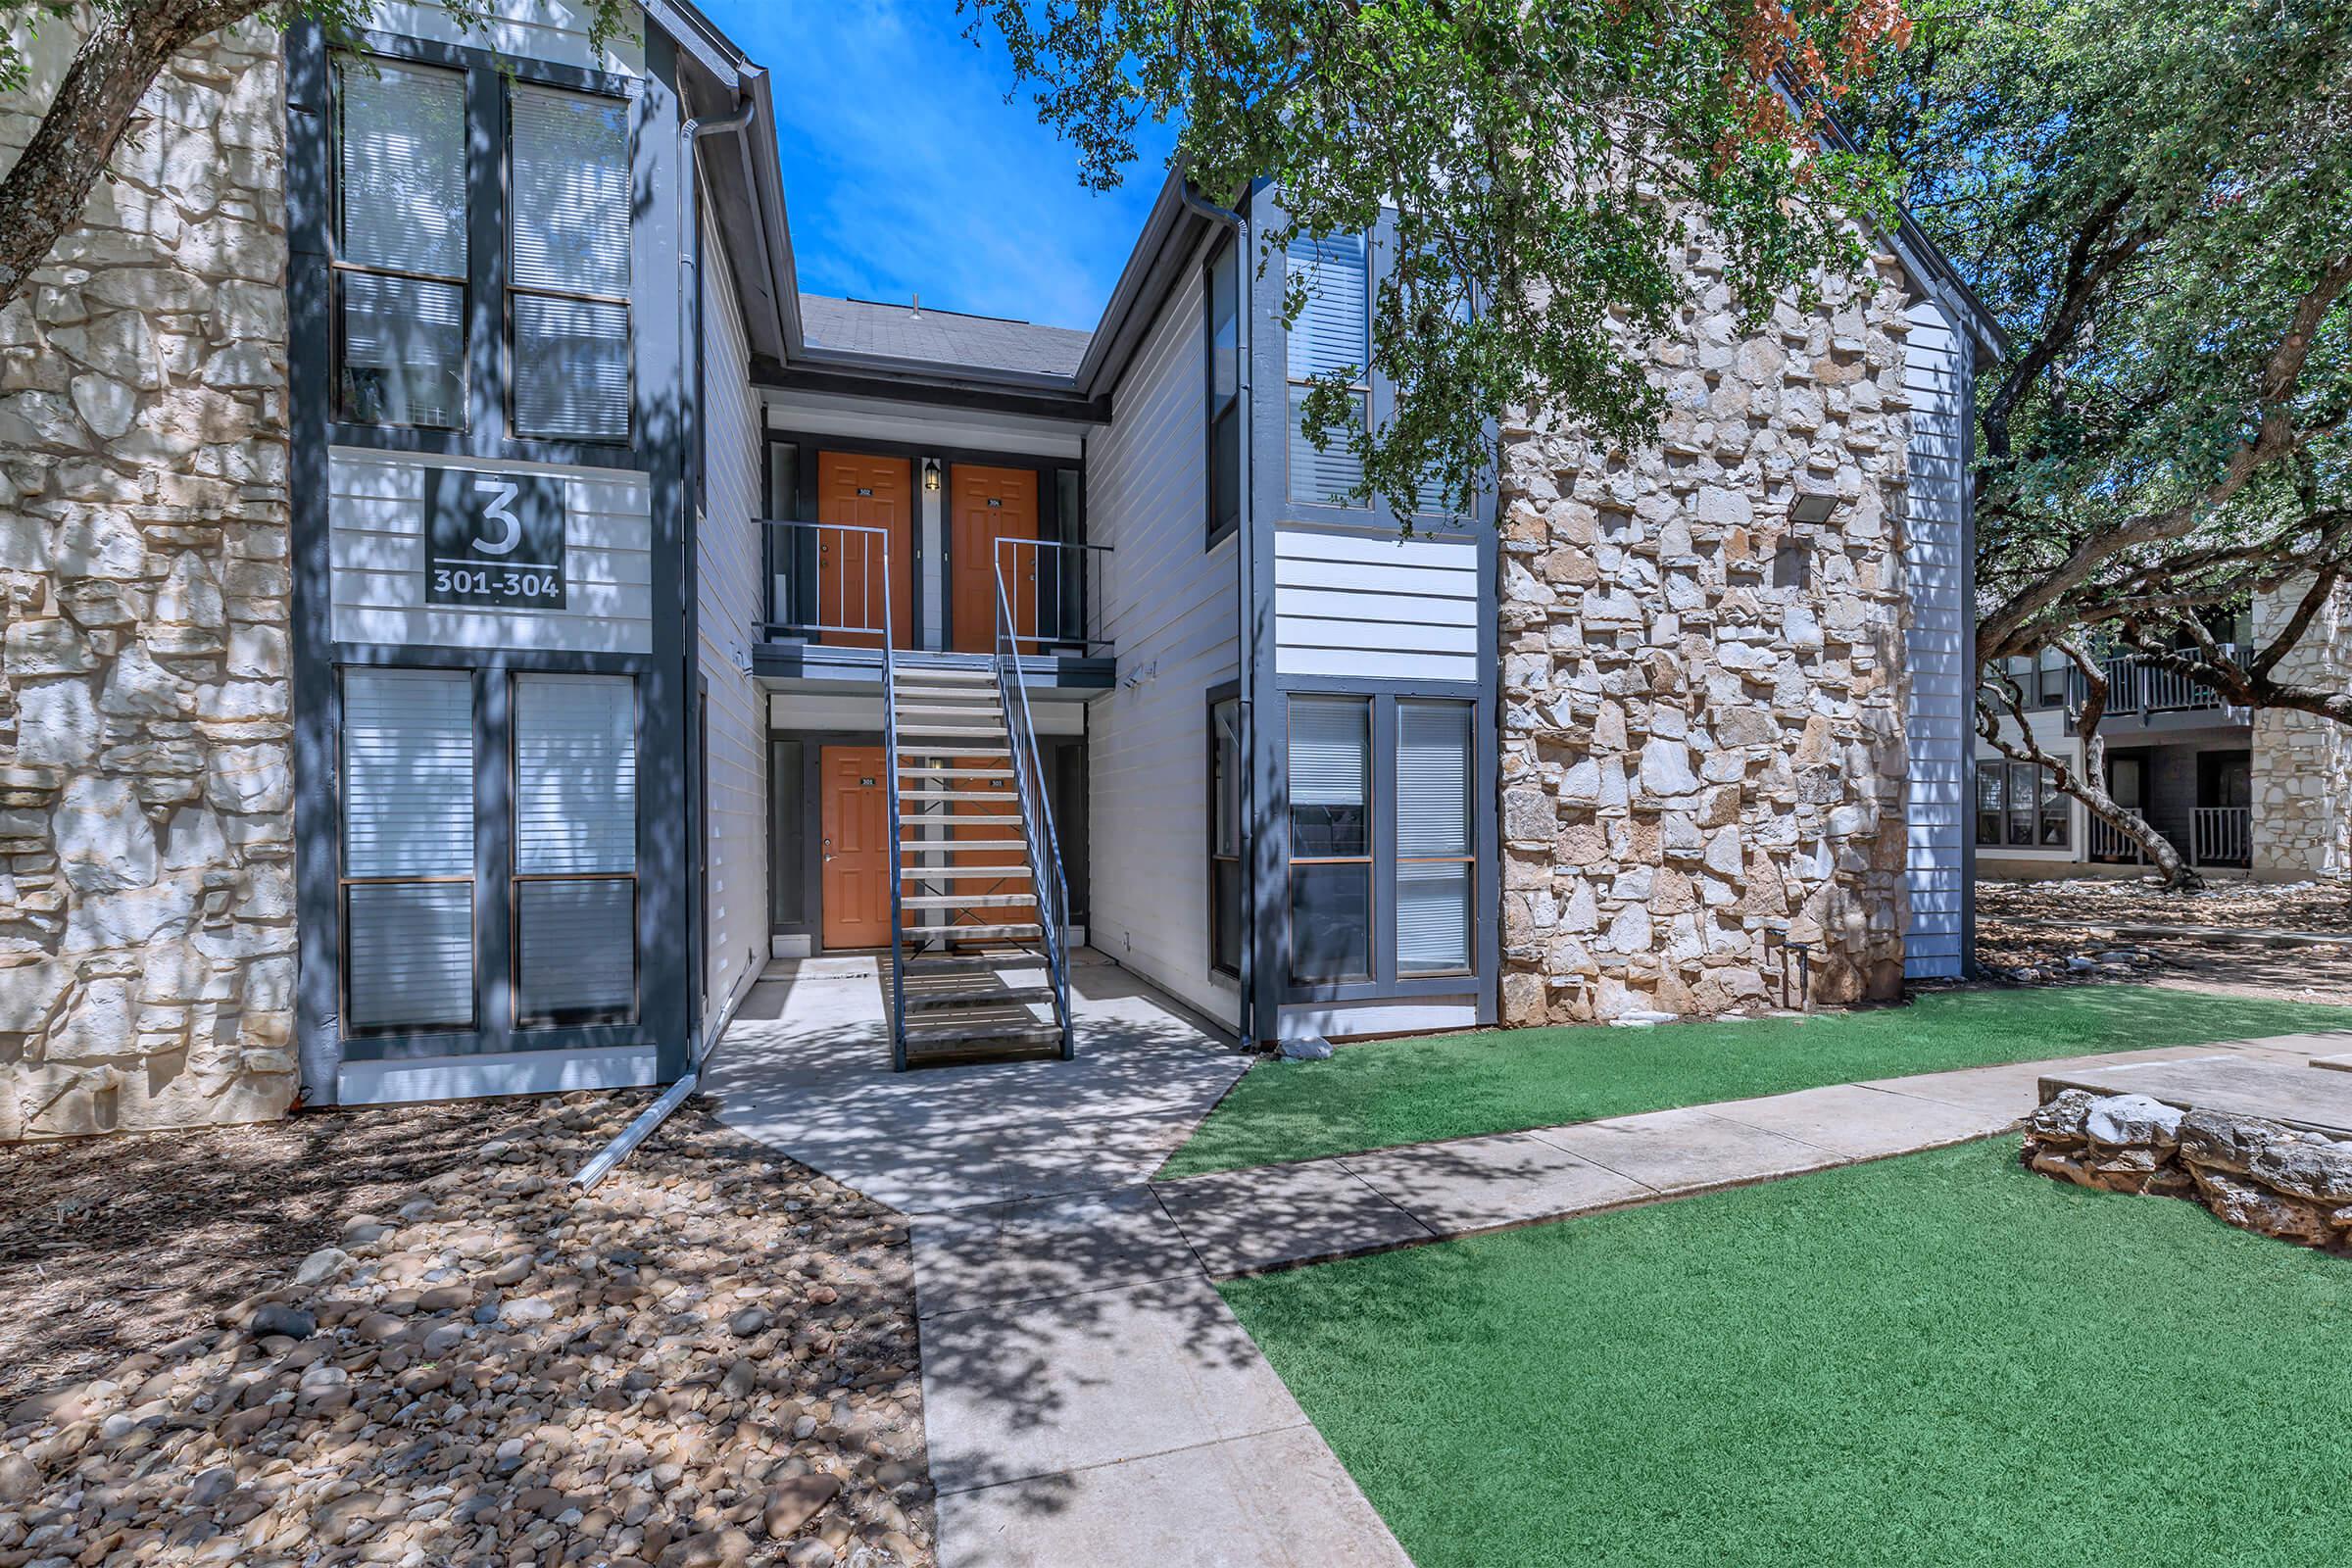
(2218, 835)
(829, 582)
(2138, 685)
(2222, 835)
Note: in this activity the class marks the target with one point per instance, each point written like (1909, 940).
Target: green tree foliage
(2156, 195)
(1548, 159)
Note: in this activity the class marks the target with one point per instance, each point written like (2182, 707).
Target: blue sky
(890, 123)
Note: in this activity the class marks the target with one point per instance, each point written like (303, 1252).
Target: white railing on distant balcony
(1050, 589)
(2223, 835)
(2108, 842)
(2138, 685)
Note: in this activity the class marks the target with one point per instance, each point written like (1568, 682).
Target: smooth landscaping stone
(1863, 1123)
(1012, 1394)
(1245, 1220)
(1278, 1498)
(1686, 1151)
(1043, 1247)
(1478, 1184)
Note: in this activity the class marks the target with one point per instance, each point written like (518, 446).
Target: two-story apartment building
(2262, 795)
(606, 618)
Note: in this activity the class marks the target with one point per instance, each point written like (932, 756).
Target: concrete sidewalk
(1089, 1400)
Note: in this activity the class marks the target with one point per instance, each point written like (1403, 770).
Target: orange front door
(987, 505)
(856, 822)
(867, 492)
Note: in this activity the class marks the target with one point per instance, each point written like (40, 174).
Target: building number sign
(494, 540)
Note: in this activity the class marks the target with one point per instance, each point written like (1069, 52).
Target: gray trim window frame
(1222, 695)
(509, 288)
(666, 991)
(1224, 251)
(488, 430)
(516, 878)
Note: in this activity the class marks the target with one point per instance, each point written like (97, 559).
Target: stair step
(972, 933)
(979, 712)
(930, 873)
(982, 670)
(975, 731)
(940, 1001)
(962, 846)
(1007, 800)
(971, 962)
(963, 901)
(1038, 1032)
(928, 770)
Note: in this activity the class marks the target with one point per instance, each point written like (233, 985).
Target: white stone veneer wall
(1696, 759)
(146, 830)
(2302, 819)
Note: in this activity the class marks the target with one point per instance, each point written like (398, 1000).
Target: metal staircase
(975, 868)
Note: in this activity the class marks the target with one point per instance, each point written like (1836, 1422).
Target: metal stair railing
(890, 765)
(1037, 814)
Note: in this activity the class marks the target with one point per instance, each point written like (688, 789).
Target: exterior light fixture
(931, 474)
(1813, 507)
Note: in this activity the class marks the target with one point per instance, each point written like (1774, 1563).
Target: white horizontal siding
(1169, 609)
(375, 546)
(555, 30)
(1375, 604)
(1938, 713)
(727, 584)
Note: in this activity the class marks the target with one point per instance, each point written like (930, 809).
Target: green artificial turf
(1386, 1093)
(1939, 1359)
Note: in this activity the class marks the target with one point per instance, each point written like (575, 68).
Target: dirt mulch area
(2056, 933)
(709, 1360)
(2314, 906)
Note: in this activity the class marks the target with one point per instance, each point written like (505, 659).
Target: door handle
(828, 852)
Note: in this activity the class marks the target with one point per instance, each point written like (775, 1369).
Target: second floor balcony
(836, 594)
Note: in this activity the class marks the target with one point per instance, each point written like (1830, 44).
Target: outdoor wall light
(1813, 507)
(931, 474)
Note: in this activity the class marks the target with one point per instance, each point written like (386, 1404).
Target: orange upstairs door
(987, 505)
(867, 492)
(856, 822)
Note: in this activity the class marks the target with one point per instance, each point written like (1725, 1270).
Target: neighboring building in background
(2262, 795)
(467, 613)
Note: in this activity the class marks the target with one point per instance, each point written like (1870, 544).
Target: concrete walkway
(1089, 1398)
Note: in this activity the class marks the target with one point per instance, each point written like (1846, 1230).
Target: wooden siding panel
(375, 543)
(1169, 608)
(1375, 604)
(1937, 715)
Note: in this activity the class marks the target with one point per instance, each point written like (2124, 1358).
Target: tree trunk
(42, 197)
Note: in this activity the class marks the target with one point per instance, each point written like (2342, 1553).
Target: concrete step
(1005, 800)
(960, 845)
(1008, 872)
(920, 935)
(975, 732)
(975, 712)
(927, 770)
(964, 901)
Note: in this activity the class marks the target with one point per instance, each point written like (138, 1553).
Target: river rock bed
(709, 1360)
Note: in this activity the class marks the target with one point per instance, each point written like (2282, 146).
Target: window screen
(1434, 863)
(1331, 339)
(407, 762)
(400, 263)
(576, 849)
(568, 245)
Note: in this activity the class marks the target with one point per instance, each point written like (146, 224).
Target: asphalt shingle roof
(979, 342)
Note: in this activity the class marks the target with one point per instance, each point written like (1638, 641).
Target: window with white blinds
(569, 256)
(400, 258)
(1330, 340)
(1330, 838)
(576, 849)
(407, 763)
(1433, 860)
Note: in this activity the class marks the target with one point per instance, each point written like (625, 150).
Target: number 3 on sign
(496, 510)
